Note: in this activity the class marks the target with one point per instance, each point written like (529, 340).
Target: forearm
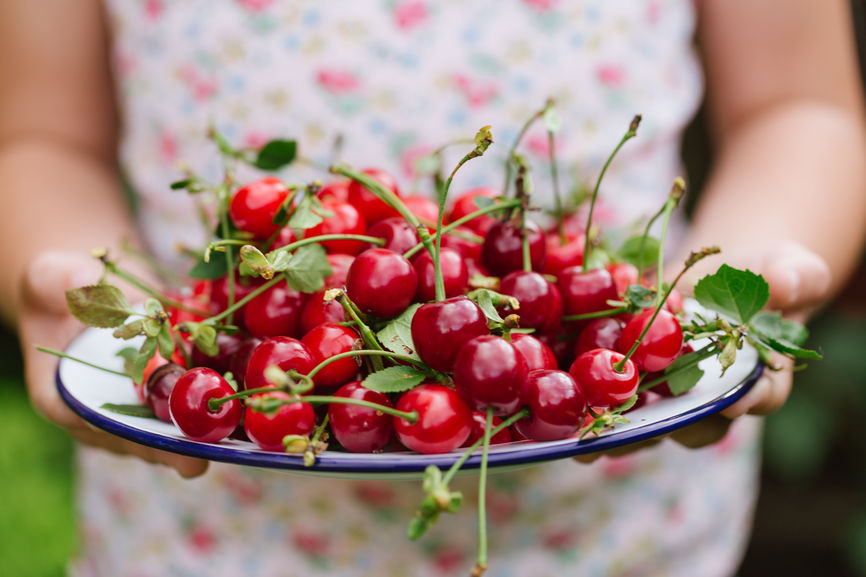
(794, 172)
(55, 197)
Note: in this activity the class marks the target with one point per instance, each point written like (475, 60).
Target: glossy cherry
(556, 404)
(317, 311)
(344, 219)
(479, 421)
(465, 205)
(459, 239)
(334, 190)
(624, 275)
(285, 352)
(254, 206)
(540, 302)
(444, 419)
(399, 235)
(381, 283)
(361, 429)
(602, 384)
(660, 345)
(454, 274)
(340, 264)
(368, 204)
(439, 329)
(243, 286)
(586, 292)
(561, 255)
(158, 387)
(601, 333)
(489, 372)
(277, 311)
(424, 208)
(536, 354)
(502, 251)
(325, 341)
(188, 406)
(268, 429)
(228, 345)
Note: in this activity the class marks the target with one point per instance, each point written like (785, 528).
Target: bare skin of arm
(61, 195)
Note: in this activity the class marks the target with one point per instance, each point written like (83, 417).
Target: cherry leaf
(165, 342)
(216, 267)
(129, 410)
(130, 330)
(394, 379)
(640, 251)
(396, 336)
(145, 353)
(684, 373)
(307, 269)
(771, 325)
(304, 217)
(276, 154)
(102, 305)
(738, 294)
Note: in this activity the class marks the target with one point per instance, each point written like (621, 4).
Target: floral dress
(396, 79)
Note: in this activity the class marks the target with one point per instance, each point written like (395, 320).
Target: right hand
(45, 320)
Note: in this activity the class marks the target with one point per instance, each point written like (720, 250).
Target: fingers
(51, 274)
(705, 432)
(798, 277)
(767, 395)
(619, 451)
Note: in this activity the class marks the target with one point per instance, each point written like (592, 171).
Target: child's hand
(45, 320)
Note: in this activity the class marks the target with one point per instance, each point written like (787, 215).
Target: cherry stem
(223, 199)
(631, 133)
(463, 220)
(471, 448)
(378, 241)
(367, 335)
(529, 122)
(112, 268)
(215, 403)
(63, 355)
(368, 353)
(258, 290)
(557, 197)
(596, 314)
(671, 203)
(701, 354)
(310, 452)
(272, 404)
(481, 563)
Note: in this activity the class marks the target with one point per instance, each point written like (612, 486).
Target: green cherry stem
(112, 268)
(481, 562)
(258, 290)
(701, 354)
(267, 405)
(367, 334)
(223, 201)
(367, 353)
(310, 452)
(325, 237)
(596, 315)
(63, 355)
(631, 133)
(523, 130)
(671, 203)
(554, 177)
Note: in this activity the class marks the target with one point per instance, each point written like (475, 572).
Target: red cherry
(277, 311)
(285, 352)
(660, 345)
(604, 386)
(381, 283)
(268, 429)
(536, 354)
(254, 206)
(454, 274)
(624, 275)
(344, 219)
(465, 205)
(556, 403)
(244, 285)
(602, 333)
(340, 264)
(458, 239)
(334, 190)
(361, 429)
(286, 236)
(489, 372)
(188, 406)
(479, 421)
(424, 209)
(586, 292)
(158, 387)
(540, 302)
(502, 251)
(444, 420)
(399, 235)
(317, 311)
(439, 330)
(325, 341)
(227, 347)
(663, 389)
(560, 256)
(367, 203)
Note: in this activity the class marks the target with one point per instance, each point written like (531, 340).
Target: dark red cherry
(325, 341)
(540, 302)
(277, 311)
(268, 429)
(602, 384)
(454, 274)
(444, 419)
(556, 404)
(660, 345)
(317, 311)
(502, 251)
(344, 219)
(439, 329)
(465, 205)
(489, 372)
(381, 283)
(227, 345)
(368, 204)
(602, 333)
(158, 387)
(241, 359)
(459, 239)
(361, 429)
(188, 406)
(285, 352)
(399, 235)
(254, 206)
(536, 354)
(479, 421)
(243, 286)
(586, 292)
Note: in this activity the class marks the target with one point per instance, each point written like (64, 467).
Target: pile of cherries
(562, 356)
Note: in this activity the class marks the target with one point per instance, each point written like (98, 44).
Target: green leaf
(181, 184)
(684, 373)
(152, 327)
(145, 353)
(739, 294)
(640, 296)
(153, 307)
(165, 342)
(771, 325)
(640, 251)
(396, 336)
(394, 379)
(223, 145)
(788, 348)
(102, 305)
(129, 410)
(307, 268)
(483, 202)
(304, 216)
(487, 300)
(215, 268)
(128, 355)
(276, 154)
(204, 337)
(130, 330)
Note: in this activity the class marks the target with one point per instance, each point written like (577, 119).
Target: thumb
(798, 278)
(51, 274)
